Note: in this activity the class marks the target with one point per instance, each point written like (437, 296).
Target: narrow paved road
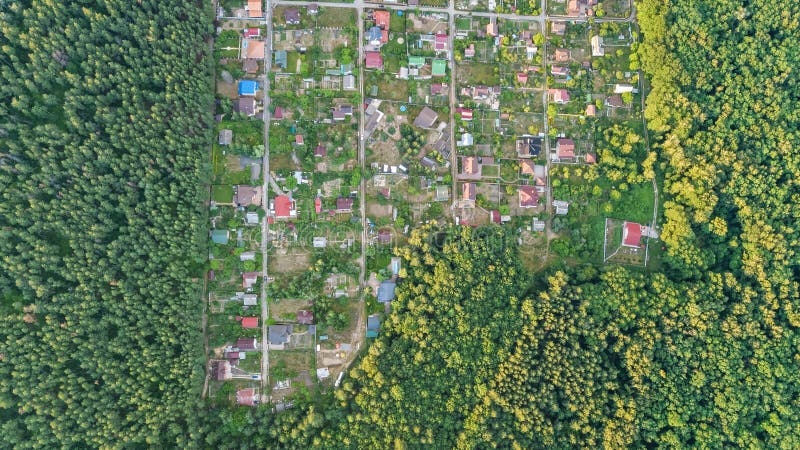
(265, 385)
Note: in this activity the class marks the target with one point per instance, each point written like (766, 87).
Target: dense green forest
(104, 138)
(104, 130)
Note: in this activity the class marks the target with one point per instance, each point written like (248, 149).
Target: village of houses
(383, 117)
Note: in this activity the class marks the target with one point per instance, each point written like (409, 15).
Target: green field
(221, 193)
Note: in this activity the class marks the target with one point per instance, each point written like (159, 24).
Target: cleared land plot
(478, 73)
(285, 310)
(336, 17)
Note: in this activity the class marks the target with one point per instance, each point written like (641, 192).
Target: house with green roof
(219, 236)
(439, 67)
(416, 61)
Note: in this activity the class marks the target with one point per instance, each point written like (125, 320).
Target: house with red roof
(283, 207)
(344, 205)
(317, 205)
(298, 139)
(251, 32)
(522, 77)
(561, 55)
(528, 197)
(468, 192)
(278, 114)
(632, 234)
(466, 113)
(382, 18)
(559, 71)
(248, 322)
(249, 279)
(320, 151)
(565, 148)
(560, 96)
(374, 60)
(470, 168)
(440, 42)
(494, 215)
(526, 166)
(247, 397)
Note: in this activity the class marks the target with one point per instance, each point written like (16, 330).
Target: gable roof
(382, 18)
(374, 60)
(416, 61)
(344, 204)
(468, 191)
(471, 165)
(526, 166)
(279, 334)
(245, 195)
(320, 151)
(249, 322)
(439, 68)
(248, 87)
(561, 55)
(280, 58)
(225, 137)
(426, 118)
(283, 206)
(254, 8)
(305, 317)
(291, 15)
(528, 196)
(246, 105)
(253, 48)
(251, 32)
(219, 236)
(631, 234)
(565, 148)
(250, 65)
(247, 344)
(386, 291)
(246, 397)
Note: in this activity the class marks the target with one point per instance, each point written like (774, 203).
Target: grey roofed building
(251, 218)
(426, 118)
(442, 193)
(280, 58)
(279, 334)
(386, 291)
(250, 65)
(349, 82)
(373, 325)
(320, 242)
(291, 16)
(245, 106)
(250, 299)
(225, 137)
(429, 163)
(562, 207)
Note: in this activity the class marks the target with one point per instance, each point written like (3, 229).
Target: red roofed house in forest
(247, 397)
(248, 322)
(632, 234)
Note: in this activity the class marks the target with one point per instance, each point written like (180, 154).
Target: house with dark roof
(247, 344)
(615, 101)
(426, 118)
(291, 16)
(344, 205)
(278, 336)
(220, 370)
(244, 195)
(246, 106)
(312, 9)
(386, 291)
(250, 65)
(529, 146)
(305, 317)
(528, 197)
(559, 71)
(439, 89)
(320, 151)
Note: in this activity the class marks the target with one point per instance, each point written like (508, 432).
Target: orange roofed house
(382, 18)
(254, 8)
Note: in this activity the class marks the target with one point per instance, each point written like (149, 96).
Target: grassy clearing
(479, 73)
(336, 17)
(221, 193)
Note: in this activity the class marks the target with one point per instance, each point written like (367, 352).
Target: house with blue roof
(248, 88)
(386, 291)
(374, 35)
(219, 236)
(373, 325)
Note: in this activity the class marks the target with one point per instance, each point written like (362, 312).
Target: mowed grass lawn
(336, 17)
(479, 73)
(221, 193)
